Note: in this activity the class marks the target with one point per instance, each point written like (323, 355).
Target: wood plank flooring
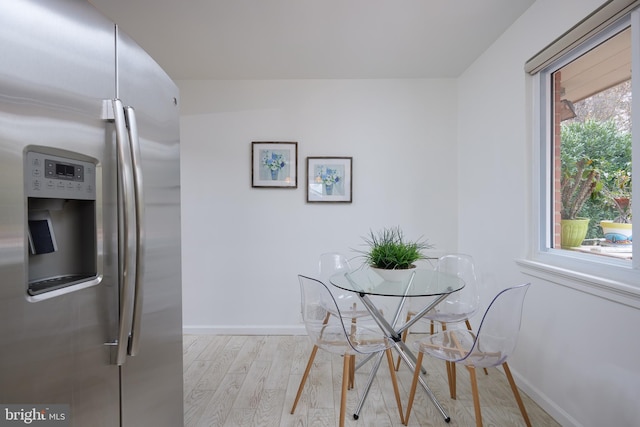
(238, 381)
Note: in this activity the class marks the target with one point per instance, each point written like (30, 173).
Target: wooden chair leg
(514, 388)
(345, 382)
(476, 396)
(451, 377)
(453, 385)
(304, 377)
(414, 383)
(403, 337)
(352, 373)
(352, 376)
(451, 372)
(394, 380)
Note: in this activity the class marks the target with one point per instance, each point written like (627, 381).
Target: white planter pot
(394, 275)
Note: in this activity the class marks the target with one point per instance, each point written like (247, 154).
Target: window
(586, 153)
(591, 166)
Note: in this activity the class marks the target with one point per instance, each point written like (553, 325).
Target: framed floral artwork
(329, 179)
(274, 164)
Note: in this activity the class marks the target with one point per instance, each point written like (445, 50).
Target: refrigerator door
(57, 67)
(152, 379)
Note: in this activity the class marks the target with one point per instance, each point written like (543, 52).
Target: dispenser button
(36, 172)
(36, 184)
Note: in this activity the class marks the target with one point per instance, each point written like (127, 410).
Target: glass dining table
(366, 282)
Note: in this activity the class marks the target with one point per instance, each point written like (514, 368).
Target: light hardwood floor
(233, 381)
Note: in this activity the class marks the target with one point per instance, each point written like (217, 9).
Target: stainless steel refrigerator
(90, 272)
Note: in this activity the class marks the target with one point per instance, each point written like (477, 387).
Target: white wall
(243, 247)
(577, 353)
(447, 159)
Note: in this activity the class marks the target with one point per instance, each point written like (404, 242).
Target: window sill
(617, 290)
(609, 251)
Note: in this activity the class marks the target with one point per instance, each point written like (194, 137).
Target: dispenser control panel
(52, 176)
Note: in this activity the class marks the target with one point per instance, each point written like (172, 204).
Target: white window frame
(610, 278)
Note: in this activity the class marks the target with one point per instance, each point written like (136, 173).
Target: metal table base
(403, 350)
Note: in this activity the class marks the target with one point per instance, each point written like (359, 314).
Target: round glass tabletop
(414, 283)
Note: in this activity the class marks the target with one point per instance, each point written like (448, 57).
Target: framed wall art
(329, 179)
(274, 164)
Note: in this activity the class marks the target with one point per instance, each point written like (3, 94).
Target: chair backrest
(325, 324)
(331, 263)
(498, 332)
(465, 303)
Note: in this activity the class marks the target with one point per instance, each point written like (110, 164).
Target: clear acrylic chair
(491, 346)
(462, 305)
(458, 307)
(330, 332)
(348, 303)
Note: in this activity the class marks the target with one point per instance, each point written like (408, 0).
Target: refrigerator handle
(125, 234)
(134, 342)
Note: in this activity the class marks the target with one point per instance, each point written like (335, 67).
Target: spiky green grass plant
(389, 250)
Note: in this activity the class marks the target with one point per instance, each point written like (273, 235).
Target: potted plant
(388, 250)
(579, 182)
(619, 231)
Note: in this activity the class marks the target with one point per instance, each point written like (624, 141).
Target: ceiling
(314, 39)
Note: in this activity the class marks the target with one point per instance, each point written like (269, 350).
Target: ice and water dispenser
(60, 191)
